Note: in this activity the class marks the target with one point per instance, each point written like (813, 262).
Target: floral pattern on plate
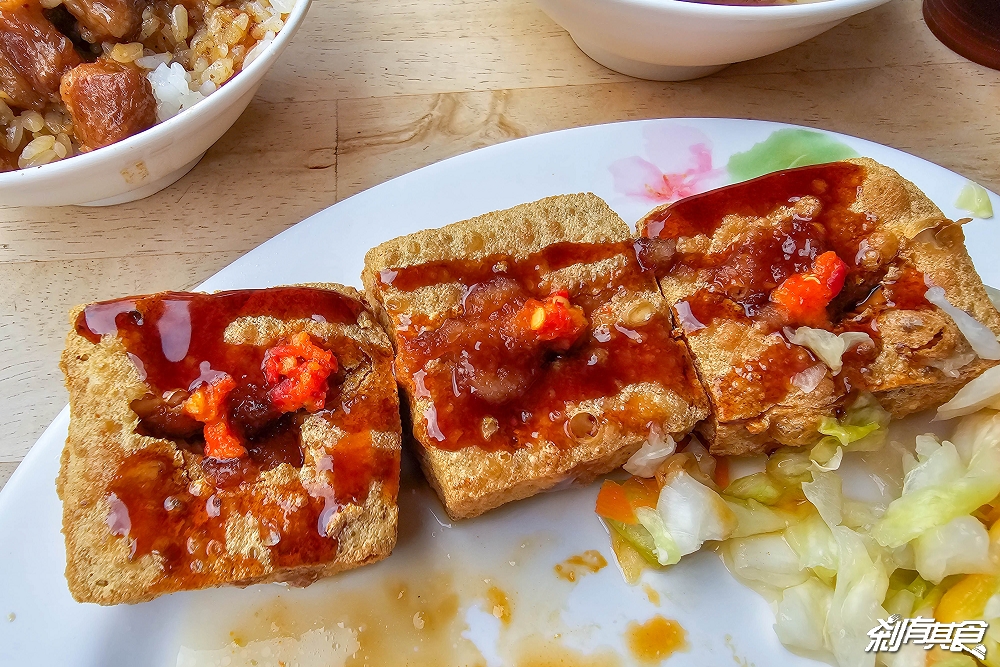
(677, 164)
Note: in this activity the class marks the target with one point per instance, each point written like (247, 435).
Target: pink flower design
(679, 165)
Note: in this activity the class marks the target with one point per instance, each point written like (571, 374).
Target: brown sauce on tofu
(494, 385)
(153, 506)
(177, 337)
(753, 386)
(176, 340)
(747, 270)
(809, 213)
(907, 291)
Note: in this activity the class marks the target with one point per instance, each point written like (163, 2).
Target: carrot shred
(612, 503)
(722, 471)
(641, 492)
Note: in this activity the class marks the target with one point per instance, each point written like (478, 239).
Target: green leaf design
(786, 149)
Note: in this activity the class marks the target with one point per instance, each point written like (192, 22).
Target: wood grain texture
(6, 470)
(276, 166)
(34, 311)
(381, 139)
(368, 91)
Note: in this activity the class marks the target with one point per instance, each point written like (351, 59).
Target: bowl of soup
(675, 40)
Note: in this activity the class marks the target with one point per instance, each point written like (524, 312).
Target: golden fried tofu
(532, 347)
(753, 270)
(231, 438)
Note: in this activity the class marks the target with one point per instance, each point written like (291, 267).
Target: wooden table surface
(371, 90)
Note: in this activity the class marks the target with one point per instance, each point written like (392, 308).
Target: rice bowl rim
(226, 94)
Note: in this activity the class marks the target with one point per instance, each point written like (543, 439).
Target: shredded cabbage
(938, 464)
(654, 451)
(824, 492)
(981, 392)
(666, 550)
(863, 427)
(860, 515)
(832, 564)
(949, 659)
(982, 339)
(706, 462)
(975, 199)
(767, 559)
(688, 321)
(961, 546)
(638, 537)
(951, 366)
(692, 513)
(753, 518)
(789, 466)
(759, 486)
(829, 347)
(827, 455)
(801, 615)
(940, 488)
(813, 541)
(994, 294)
(856, 605)
(908, 655)
(806, 381)
(845, 433)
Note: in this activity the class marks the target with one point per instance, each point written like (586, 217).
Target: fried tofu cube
(755, 270)
(232, 438)
(532, 347)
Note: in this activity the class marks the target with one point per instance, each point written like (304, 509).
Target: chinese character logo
(955, 637)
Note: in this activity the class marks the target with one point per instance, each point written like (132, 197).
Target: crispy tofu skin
(504, 407)
(145, 515)
(721, 254)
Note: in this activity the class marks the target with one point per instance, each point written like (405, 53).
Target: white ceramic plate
(431, 603)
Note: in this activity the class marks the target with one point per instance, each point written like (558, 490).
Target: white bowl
(673, 40)
(149, 161)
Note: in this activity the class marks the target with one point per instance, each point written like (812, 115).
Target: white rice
(153, 61)
(172, 88)
(255, 52)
